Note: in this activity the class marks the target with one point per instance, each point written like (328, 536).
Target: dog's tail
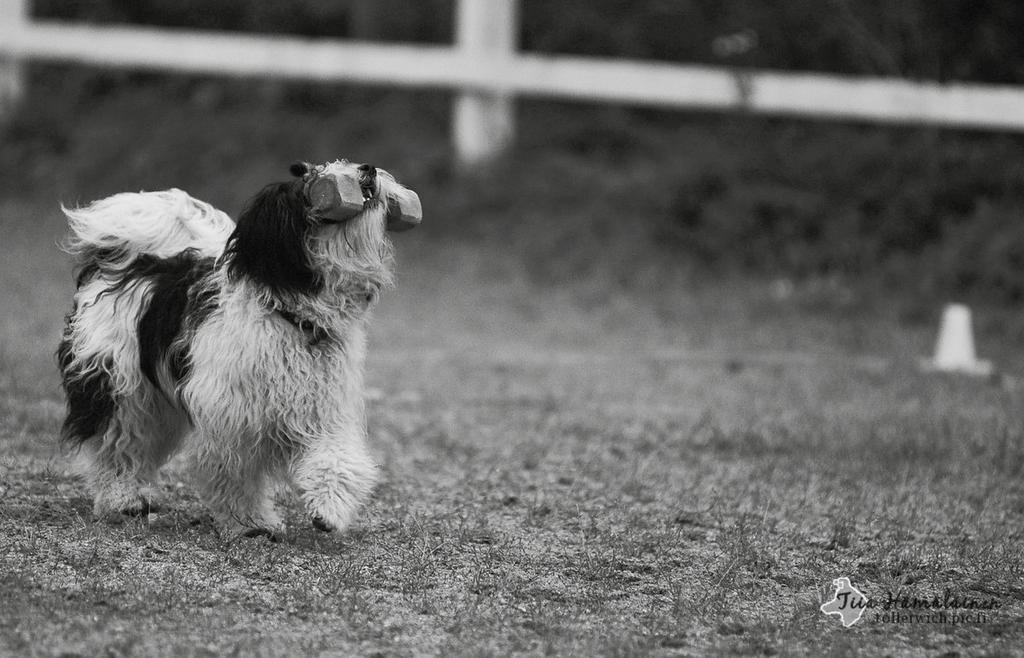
(114, 232)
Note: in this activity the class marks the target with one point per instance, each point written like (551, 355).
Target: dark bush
(855, 201)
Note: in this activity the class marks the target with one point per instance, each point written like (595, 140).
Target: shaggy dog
(247, 338)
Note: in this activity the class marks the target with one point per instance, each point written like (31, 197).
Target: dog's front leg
(334, 475)
(239, 492)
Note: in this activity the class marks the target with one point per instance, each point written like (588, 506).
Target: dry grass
(567, 472)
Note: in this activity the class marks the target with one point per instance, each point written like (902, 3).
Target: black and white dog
(247, 338)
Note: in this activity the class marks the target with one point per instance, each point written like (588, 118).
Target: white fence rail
(488, 73)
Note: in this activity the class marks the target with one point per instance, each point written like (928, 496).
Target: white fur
(262, 405)
(158, 223)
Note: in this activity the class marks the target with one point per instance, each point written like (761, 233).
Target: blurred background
(602, 222)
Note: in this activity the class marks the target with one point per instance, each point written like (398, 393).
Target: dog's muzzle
(339, 196)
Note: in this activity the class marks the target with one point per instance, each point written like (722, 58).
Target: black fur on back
(181, 298)
(90, 400)
(268, 245)
(178, 303)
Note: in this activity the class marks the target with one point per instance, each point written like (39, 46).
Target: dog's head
(332, 216)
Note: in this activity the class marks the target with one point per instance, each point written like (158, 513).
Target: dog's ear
(269, 241)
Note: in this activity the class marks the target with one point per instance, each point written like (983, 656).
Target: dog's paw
(123, 505)
(253, 533)
(231, 529)
(330, 512)
(141, 506)
(234, 532)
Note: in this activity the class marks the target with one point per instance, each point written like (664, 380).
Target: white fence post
(484, 121)
(14, 17)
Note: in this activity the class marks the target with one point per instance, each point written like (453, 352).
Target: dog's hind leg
(335, 476)
(119, 464)
(116, 489)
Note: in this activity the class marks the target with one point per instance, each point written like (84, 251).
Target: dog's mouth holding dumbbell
(243, 343)
(336, 193)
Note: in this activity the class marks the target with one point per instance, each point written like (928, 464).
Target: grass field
(577, 469)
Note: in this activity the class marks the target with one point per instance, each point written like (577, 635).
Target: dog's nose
(367, 173)
(368, 180)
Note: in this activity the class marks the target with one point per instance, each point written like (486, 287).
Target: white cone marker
(954, 351)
